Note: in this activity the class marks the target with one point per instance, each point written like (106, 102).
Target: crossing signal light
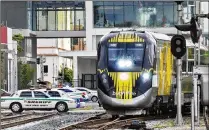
(38, 60)
(178, 46)
(193, 27)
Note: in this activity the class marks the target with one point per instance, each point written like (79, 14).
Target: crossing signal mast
(193, 27)
(178, 49)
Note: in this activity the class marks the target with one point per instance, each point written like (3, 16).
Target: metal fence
(77, 83)
(89, 81)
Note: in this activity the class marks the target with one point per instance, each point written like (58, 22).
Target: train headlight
(123, 76)
(146, 76)
(124, 63)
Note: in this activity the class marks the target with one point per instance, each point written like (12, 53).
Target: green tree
(68, 74)
(25, 74)
(18, 38)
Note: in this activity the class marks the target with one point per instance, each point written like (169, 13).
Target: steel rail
(88, 121)
(24, 121)
(14, 117)
(119, 121)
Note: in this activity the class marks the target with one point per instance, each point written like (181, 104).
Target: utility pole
(53, 71)
(195, 33)
(179, 119)
(0, 84)
(42, 68)
(63, 72)
(197, 108)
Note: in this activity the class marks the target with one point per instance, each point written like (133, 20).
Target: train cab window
(125, 57)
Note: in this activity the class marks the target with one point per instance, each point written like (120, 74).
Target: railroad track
(12, 117)
(109, 123)
(23, 119)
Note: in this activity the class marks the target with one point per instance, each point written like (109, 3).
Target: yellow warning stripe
(126, 37)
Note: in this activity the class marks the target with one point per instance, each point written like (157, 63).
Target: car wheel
(94, 98)
(16, 107)
(61, 107)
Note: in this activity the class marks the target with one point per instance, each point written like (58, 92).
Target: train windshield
(125, 57)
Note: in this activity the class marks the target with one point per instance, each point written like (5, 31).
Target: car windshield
(125, 57)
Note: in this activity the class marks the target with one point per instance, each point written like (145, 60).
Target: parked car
(36, 100)
(75, 94)
(91, 93)
(58, 93)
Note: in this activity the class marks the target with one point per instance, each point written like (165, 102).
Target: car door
(27, 101)
(55, 95)
(43, 101)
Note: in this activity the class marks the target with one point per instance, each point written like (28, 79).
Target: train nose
(137, 102)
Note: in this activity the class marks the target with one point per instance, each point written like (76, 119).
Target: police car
(36, 100)
(58, 93)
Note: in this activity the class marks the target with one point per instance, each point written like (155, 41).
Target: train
(136, 73)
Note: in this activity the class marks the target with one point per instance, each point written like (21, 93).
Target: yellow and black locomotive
(133, 68)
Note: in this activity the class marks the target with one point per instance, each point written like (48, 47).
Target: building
(8, 60)
(90, 20)
(16, 15)
(49, 49)
(72, 29)
(205, 10)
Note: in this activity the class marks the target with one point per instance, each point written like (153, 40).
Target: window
(204, 57)
(41, 20)
(61, 20)
(129, 18)
(38, 94)
(45, 68)
(70, 19)
(82, 90)
(26, 94)
(123, 57)
(51, 20)
(134, 13)
(190, 66)
(79, 20)
(64, 15)
(54, 94)
(66, 90)
(118, 15)
(190, 53)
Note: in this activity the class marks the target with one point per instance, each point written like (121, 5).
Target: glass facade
(135, 13)
(58, 16)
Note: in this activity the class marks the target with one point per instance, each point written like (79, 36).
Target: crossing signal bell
(178, 46)
(193, 27)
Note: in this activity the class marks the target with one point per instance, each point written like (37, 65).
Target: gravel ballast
(55, 122)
